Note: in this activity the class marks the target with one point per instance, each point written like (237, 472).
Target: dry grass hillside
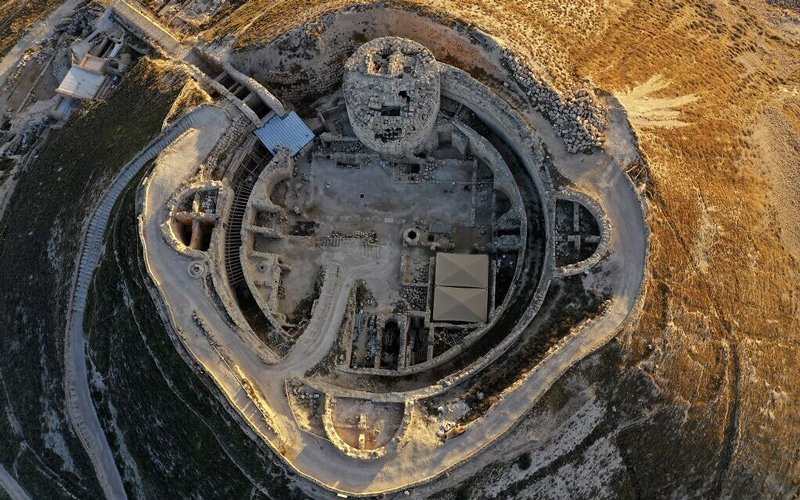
(713, 89)
(16, 16)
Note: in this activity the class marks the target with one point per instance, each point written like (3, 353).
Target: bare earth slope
(716, 115)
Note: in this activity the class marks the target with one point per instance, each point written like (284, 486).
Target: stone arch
(583, 204)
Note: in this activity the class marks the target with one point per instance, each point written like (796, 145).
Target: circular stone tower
(391, 88)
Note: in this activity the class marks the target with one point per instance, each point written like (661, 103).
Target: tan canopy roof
(460, 304)
(80, 83)
(463, 270)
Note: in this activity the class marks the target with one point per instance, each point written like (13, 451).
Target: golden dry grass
(16, 16)
(724, 281)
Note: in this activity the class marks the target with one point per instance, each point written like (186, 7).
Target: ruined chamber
(421, 202)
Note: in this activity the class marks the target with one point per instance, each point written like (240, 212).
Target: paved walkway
(12, 487)
(80, 408)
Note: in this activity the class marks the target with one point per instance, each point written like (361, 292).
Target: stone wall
(391, 87)
(173, 206)
(147, 28)
(230, 309)
(390, 447)
(605, 232)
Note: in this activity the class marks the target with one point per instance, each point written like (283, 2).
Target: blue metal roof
(288, 131)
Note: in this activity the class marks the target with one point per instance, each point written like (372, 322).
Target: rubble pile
(577, 117)
(415, 297)
(306, 396)
(787, 4)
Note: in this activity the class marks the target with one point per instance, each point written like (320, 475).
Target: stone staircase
(79, 403)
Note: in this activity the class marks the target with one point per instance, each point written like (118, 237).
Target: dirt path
(12, 487)
(136, 16)
(38, 32)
